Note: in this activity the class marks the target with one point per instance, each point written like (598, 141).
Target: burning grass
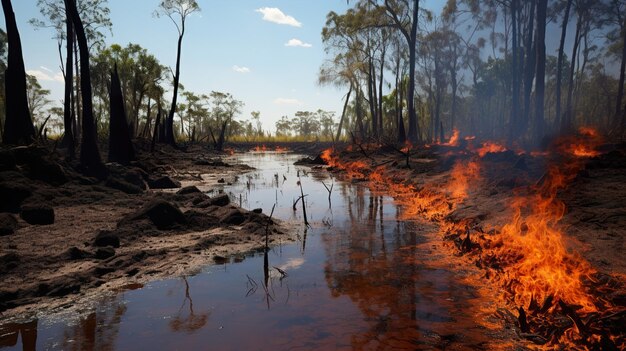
(558, 295)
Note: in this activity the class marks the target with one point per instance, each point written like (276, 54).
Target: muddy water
(357, 278)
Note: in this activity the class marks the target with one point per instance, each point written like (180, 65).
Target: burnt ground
(139, 225)
(65, 237)
(593, 225)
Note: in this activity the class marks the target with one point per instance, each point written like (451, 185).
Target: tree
(140, 74)
(283, 126)
(3, 67)
(37, 97)
(95, 17)
(89, 154)
(224, 108)
(539, 126)
(177, 11)
(406, 19)
(120, 145)
(18, 128)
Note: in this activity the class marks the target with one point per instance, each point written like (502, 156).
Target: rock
(74, 253)
(200, 220)
(105, 252)
(221, 181)
(49, 172)
(8, 224)
(29, 154)
(220, 200)
(8, 262)
(122, 185)
(164, 183)
(233, 217)
(107, 238)
(37, 214)
(258, 210)
(188, 190)
(7, 160)
(160, 212)
(64, 290)
(12, 196)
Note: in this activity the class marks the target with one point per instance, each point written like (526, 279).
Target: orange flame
(531, 251)
(583, 145)
(454, 139)
(490, 147)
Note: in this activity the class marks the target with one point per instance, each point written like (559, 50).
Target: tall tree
(68, 113)
(559, 64)
(18, 128)
(177, 11)
(540, 44)
(89, 154)
(406, 20)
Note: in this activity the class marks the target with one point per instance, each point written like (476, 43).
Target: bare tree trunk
(120, 145)
(169, 123)
(89, 154)
(540, 84)
(380, 92)
(559, 64)
(157, 123)
(371, 92)
(413, 125)
(78, 114)
(515, 86)
(530, 67)
(68, 137)
(343, 114)
(620, 92)
(566, 124)
(18, 128)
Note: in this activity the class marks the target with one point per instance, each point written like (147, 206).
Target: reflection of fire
(281, 149)
(530, 257)
(260, 148)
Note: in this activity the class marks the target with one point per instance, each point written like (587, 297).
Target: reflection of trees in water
(97, 330)
(380, 280)
(188, 322)
(9, 334)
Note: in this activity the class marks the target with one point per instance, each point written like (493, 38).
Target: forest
(468, 194)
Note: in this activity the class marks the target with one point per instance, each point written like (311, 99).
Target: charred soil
(546, 228)
(66, 237)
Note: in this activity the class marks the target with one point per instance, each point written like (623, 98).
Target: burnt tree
(90, 160)
(18, 128)
(120, 145)
(68, 137)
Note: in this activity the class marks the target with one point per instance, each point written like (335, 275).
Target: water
(358, 278)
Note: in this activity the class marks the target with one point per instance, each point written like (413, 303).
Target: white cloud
(45, 76)
(298, 42)
(275, 15)
(241, 69)
(286, 101)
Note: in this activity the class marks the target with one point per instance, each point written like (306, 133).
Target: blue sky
(228, 47)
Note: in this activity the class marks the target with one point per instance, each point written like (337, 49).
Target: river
(357, 278)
